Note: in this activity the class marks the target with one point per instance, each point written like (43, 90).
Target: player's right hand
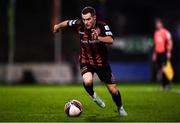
(94, 34)
(56, 28)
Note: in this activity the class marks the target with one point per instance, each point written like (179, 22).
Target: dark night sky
(33, 22)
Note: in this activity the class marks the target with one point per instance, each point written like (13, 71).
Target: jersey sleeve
(106, 31)
(74, 24)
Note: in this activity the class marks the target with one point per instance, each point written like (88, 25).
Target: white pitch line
(175, 91)
(171, 90)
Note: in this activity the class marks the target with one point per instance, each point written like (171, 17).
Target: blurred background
(30, 52)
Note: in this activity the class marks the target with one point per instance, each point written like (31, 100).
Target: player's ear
(94, 17)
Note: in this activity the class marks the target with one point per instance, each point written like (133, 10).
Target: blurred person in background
(162, 52)
(94, 37)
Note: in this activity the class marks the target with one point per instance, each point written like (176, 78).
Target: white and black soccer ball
(73, 108)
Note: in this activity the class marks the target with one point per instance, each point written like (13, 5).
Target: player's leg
(88, 85)
(159, 63)
(105, 75)
(159, 71)
(87, 76)
(165, 83)
(116, 95)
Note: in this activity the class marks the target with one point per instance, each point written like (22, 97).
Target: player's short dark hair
(88, 9)
(158, 20)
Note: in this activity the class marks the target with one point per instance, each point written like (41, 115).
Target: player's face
(159, 25)
(88, 20)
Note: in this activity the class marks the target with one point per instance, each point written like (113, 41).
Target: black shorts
(104, 72)
(161, 60)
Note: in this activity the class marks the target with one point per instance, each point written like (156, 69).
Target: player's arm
(169, 45)
(154, 54)
(60, 25)
(106, 39)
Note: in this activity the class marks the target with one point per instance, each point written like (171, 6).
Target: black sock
(117, 99)
(89, 88)
(165, 81)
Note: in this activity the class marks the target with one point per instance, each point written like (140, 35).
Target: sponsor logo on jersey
(90, 41)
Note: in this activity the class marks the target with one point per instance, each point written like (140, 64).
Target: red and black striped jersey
(92, 51)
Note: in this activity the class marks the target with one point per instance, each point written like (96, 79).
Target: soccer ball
(73, 108)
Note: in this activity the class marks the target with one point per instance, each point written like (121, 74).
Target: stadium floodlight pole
(11, 33)
(57, 36)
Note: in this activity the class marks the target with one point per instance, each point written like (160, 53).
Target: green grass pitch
(33, 103)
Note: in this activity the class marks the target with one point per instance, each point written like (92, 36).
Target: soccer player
(162, 51)
(94, 37)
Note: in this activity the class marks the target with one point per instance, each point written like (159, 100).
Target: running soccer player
(162, 51)
(94, 37)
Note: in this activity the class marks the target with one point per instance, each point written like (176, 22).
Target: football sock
(89, 89)
(117, 99)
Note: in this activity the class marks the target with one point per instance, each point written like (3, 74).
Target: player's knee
(112, 89)
(87, 78)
